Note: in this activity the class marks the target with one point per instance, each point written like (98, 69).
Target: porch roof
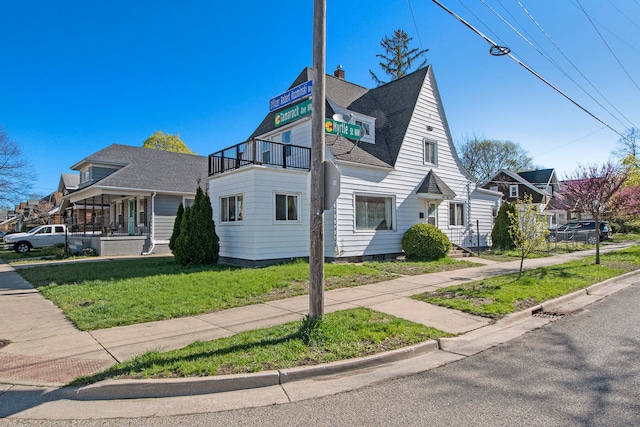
(433, 186)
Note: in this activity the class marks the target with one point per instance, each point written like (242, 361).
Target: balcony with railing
(260, 152)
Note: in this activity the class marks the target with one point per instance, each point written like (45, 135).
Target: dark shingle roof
(433, 185)
(149, 169)
(537, 177)
(391, 104)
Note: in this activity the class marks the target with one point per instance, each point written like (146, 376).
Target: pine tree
(197, 242)
(398, 58)
(176, 227)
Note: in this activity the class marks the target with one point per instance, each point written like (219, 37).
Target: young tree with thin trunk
(528, 229)
(590, 190)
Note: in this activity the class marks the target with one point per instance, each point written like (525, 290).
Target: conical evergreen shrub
(500, 236)
(176, 227)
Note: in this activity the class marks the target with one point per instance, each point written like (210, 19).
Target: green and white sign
(348, 130)
(296, 112)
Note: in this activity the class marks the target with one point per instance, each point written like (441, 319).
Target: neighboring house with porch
(127, 198)
(403, 170)
(541, 185)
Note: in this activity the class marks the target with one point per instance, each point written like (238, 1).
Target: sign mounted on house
(292, 95)
(296, 112)
(348, 130)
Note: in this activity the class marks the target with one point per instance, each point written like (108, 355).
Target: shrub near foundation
(425, 242)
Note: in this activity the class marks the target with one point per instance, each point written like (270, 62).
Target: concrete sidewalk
(47, 350)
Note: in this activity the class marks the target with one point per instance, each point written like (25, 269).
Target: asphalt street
(580, 370)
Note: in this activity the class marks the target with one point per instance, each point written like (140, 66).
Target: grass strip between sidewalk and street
(97, 295)
(341, 335)
(498, 296)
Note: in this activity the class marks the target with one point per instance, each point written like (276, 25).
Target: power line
(506, 51)
(578, 70)
(415, 24)
(568, 143)
(480, 20)
(624, 14)
(607, 45)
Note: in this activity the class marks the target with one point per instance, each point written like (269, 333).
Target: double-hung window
(430, 152)
(231, 208)
(374, 212)
(456, 214)
(513, 191)
(287, 207)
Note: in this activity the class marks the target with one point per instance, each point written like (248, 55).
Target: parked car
(39, 237)
(580, 231)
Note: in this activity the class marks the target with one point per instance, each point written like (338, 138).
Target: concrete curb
(173, 387)
(595, 288)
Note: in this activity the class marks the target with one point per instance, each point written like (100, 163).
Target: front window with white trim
(287, 207)
(513, 191)
(430, 152)
(231, 208)
(374, 212)
(456, 214)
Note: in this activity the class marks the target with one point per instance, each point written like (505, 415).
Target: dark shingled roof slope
(391, 104)
(541, 176)
(150, 169)
(433, 185)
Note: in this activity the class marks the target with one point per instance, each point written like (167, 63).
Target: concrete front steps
(459, 252)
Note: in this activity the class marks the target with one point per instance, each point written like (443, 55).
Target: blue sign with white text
(292, 95)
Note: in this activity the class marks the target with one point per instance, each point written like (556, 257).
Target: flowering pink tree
(590, 190)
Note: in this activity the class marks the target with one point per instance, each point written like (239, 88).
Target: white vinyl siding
(261, 237)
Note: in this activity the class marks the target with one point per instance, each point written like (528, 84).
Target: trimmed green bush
(425, 242)
(500, 236)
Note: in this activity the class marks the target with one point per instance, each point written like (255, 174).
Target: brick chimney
(339, 72)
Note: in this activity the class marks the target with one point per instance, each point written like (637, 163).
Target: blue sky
(76, 76)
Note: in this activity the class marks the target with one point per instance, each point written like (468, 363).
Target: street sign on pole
(291, 96)
(348, 130)
(290, 114)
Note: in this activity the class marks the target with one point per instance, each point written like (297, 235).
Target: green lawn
(341, 335)
(497, 296)
(96, 295)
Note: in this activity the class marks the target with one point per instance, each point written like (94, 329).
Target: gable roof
(435, 187)
(148, 169)
(391, 104)
(516, 178)
(541, 177)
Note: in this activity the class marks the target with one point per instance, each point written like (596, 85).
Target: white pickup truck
(39, 237)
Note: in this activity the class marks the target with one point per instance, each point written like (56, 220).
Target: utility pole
(316, 238)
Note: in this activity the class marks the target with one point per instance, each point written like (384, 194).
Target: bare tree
(483, 157)
(16, 174)
(629, 146)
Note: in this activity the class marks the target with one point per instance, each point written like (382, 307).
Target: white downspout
(152, 234)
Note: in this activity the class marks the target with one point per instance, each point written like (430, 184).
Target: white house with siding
(402, 171)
